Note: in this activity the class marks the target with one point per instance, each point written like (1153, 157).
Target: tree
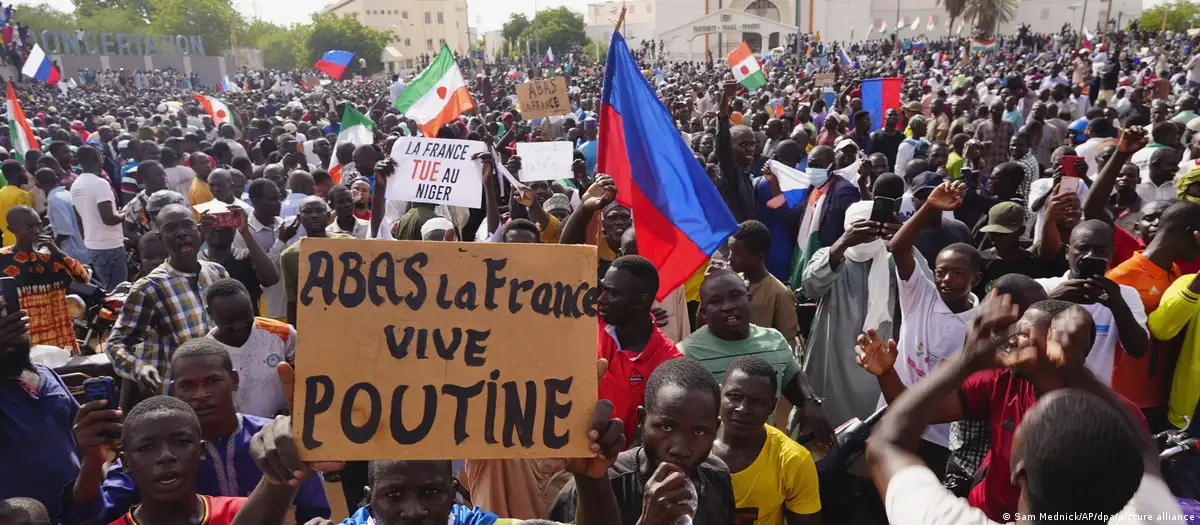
(982, 13)
(513, 28)
(208, 18)
(42, 17)
(144, 9)
(589, 52)
(558, 28)
(954, 8)
(346, 33)
(1179, 16)
(116, 20)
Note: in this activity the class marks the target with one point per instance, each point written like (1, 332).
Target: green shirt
(954, 165)
(289, 266)
(408, 226)
(716, 354)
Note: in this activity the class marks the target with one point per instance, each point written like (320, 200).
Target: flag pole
(620, 20)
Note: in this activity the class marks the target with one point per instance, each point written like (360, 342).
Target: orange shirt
(1146, 380)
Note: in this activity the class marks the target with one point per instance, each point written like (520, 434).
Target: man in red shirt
(1002, 396)
(628, 336)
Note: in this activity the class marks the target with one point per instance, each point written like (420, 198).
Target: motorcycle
(94, 311)
(847, 498)
(1177, 453)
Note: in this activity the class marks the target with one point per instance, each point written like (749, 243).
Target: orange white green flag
(437, 96)
(746, 69)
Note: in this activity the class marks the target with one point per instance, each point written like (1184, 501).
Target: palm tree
(983, 13)
(954, 8)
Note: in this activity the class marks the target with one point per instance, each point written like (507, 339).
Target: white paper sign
(545, 160)
(438, 171)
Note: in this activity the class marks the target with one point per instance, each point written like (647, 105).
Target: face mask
(818, 176)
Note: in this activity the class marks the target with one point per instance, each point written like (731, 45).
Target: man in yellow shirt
(12, 195)
(774, 478)
(1180, 309)
(202, 165)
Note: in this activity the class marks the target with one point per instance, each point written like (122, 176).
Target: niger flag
(437, 96)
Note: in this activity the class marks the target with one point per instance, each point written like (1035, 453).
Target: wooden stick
(620, 19)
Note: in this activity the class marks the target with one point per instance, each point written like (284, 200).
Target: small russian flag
(39, 66)
(793, 183)
(334, 62)
(228, 86)
(1087, 40)
(843, 58)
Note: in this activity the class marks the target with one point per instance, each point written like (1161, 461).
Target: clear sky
(484, 14)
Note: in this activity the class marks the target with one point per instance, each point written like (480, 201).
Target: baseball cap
(557, 202)
(1005, 217)
(926, 181)
(914, 106)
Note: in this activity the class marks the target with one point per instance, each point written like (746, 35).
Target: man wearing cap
(912, 109)
(1005, 226)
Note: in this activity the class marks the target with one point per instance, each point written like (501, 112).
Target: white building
(841, 20)
(417, 26)
(687, 31)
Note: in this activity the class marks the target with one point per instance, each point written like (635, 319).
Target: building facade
(687, 28)
(418, 27)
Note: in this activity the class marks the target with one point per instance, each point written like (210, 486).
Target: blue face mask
(818, 176)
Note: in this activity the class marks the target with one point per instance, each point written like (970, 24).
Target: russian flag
(880, 95)
(680, 217)
(792, 182)
(38, 66)
(1087, 40)
(334, 62)
(227, 86)
(843, 58)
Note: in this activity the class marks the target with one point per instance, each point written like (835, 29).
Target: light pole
(1073, 8)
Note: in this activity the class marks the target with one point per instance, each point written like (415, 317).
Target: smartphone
(12, 300)
(1090, 266)
(1069, 184)
(229, 219)
(98, 388)
(1067, 163)
(883, 210)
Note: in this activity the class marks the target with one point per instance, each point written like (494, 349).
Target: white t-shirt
(916, 497)
(1041, 187)
(1100, 358)
(1193, 69)
(179, 179)
(260, 392)
(930, 334)
(87, 193)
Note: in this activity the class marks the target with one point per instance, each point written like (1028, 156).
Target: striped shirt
(164, 309)
(767, 343)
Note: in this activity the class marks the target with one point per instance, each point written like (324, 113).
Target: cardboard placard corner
(543, 98)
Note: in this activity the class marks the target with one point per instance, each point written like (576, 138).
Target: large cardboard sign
(545, 160)
(439, 350)
(543, 98)
(438, 171)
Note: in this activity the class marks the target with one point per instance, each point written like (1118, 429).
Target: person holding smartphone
(1116, 308)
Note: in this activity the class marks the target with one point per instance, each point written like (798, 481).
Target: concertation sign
(437, 350)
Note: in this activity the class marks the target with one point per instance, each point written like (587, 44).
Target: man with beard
(205, 379)
(314, 217)
(39, 412)
(165, 308)
(679, 418)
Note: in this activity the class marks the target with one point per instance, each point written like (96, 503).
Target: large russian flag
(880, 95)
(679, 215)
(39, 66)
(334, 62)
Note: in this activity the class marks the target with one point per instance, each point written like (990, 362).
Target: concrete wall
(210, 69)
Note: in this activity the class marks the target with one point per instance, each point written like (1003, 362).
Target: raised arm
(946, 197)
(1094, 205)
(598, 195)
(383, 169)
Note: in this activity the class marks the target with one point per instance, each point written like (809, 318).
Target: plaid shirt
(968, 447)
(1000, 135)
(164, 309)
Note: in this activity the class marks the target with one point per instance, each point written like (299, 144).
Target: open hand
(874, 355)
(947, 196)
